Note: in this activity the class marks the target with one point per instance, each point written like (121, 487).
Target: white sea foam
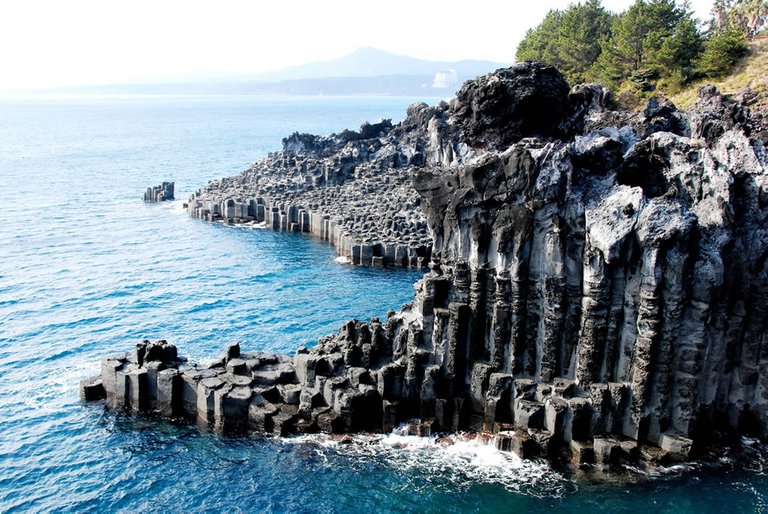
(59, 383)
(342, 259)
(255, 225)
(176, 205)
(458, 462)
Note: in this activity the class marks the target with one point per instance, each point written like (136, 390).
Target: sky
(51, 43)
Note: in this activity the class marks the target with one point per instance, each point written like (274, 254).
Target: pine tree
(654, 43)
(721, 52)
(540, 43)
(650, 40)
(670, 53)
(569, 39)
(582, 28)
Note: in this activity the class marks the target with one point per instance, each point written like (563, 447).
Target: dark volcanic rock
(716, 114)
(589, 293)
(161, 193)
(353, 188)
(648, 274)
(530, 99)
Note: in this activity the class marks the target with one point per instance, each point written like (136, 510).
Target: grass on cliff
(751, 72)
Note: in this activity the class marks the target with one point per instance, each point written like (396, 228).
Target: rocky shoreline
(596, 290)
(268, 393)
(353, 189)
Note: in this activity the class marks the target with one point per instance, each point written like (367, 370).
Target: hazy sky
(46, 43)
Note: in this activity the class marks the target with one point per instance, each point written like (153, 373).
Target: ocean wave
(254, 225)
(208, 306)
(459, 461)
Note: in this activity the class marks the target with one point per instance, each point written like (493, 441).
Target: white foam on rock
(458, 462)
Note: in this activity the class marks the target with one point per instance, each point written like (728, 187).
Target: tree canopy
(652, 43)
(569, 39)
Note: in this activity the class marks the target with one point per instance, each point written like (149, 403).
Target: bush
(628, 96)
(672, 83)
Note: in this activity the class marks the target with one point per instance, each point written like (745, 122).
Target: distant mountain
(370, 62)
(366, 71)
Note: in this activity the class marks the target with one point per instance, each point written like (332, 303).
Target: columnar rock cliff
(598, 285)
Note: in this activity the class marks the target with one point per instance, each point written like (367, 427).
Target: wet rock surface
(596, 294)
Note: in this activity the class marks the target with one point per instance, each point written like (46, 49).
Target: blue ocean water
(87, 269)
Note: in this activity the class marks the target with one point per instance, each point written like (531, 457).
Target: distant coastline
(384, 85)
(364, 72)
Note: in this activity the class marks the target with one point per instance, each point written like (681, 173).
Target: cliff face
(598, 282)
(628, 258)
(589, 277)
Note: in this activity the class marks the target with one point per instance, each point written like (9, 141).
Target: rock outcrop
(161, 193)
(597, 290)
(352, 189)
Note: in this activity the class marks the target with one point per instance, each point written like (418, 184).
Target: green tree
(652, 39)
(569, 39)
(671, 54)
(539, 43)
(583, 27)
(722, 51)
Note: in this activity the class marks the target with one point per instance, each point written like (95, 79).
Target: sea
(87, 270)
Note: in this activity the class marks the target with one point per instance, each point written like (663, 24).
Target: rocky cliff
(352, 189)
(597, 285)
